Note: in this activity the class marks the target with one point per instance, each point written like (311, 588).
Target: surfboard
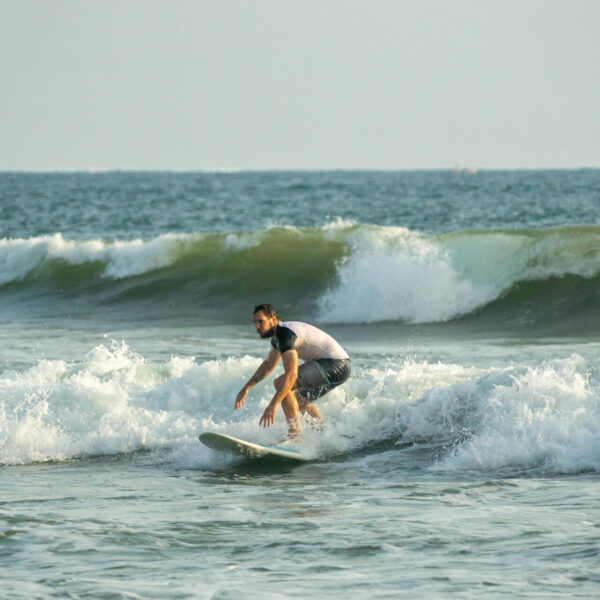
(232, 445)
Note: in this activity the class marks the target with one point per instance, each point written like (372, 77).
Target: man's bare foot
(293, 434)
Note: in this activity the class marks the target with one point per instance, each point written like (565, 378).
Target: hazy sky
(183, 84)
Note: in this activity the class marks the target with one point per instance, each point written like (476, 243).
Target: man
(326, 365)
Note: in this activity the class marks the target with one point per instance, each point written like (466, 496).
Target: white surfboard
(227, 443)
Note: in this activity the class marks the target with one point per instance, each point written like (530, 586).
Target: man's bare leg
(306, 408)
(290, 409)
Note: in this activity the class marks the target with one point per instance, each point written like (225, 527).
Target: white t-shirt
(309, 342)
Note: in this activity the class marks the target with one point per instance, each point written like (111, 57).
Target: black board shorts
(317, 377)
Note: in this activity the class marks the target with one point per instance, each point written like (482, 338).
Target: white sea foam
(243, 241)
(19, 257)
(392, 273)
(338, 224)
(546, 416)
(114, 401)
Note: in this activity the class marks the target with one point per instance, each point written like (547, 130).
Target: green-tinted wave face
(181, 273)
(338, 274)
(231, 273)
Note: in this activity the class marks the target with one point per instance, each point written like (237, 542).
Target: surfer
(326, 365)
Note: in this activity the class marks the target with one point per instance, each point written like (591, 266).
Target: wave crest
(393, 274)
(340, 273)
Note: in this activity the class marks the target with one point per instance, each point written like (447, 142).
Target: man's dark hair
(268, 309)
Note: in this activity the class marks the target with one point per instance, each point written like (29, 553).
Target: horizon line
(233, 170)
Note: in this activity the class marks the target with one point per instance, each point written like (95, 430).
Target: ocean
(461, 459)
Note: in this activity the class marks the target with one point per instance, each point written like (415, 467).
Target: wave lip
(393, 274)
(22, 257)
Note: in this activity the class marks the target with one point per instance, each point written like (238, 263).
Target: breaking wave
(341, 273)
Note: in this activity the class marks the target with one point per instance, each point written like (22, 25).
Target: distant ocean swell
(113, 401)
(340, 273)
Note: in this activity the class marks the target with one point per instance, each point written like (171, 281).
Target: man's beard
(269, 333)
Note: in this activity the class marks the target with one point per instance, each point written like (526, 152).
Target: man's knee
(278, 382)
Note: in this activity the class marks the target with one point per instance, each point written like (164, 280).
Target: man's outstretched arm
(290, 364)
(263, 370)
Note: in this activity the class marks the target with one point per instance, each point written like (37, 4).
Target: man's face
(265, 327)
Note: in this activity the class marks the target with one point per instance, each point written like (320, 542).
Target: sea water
(461, 460)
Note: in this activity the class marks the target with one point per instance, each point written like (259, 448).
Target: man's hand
(268, 417)
(239, 400)
(263, 370)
